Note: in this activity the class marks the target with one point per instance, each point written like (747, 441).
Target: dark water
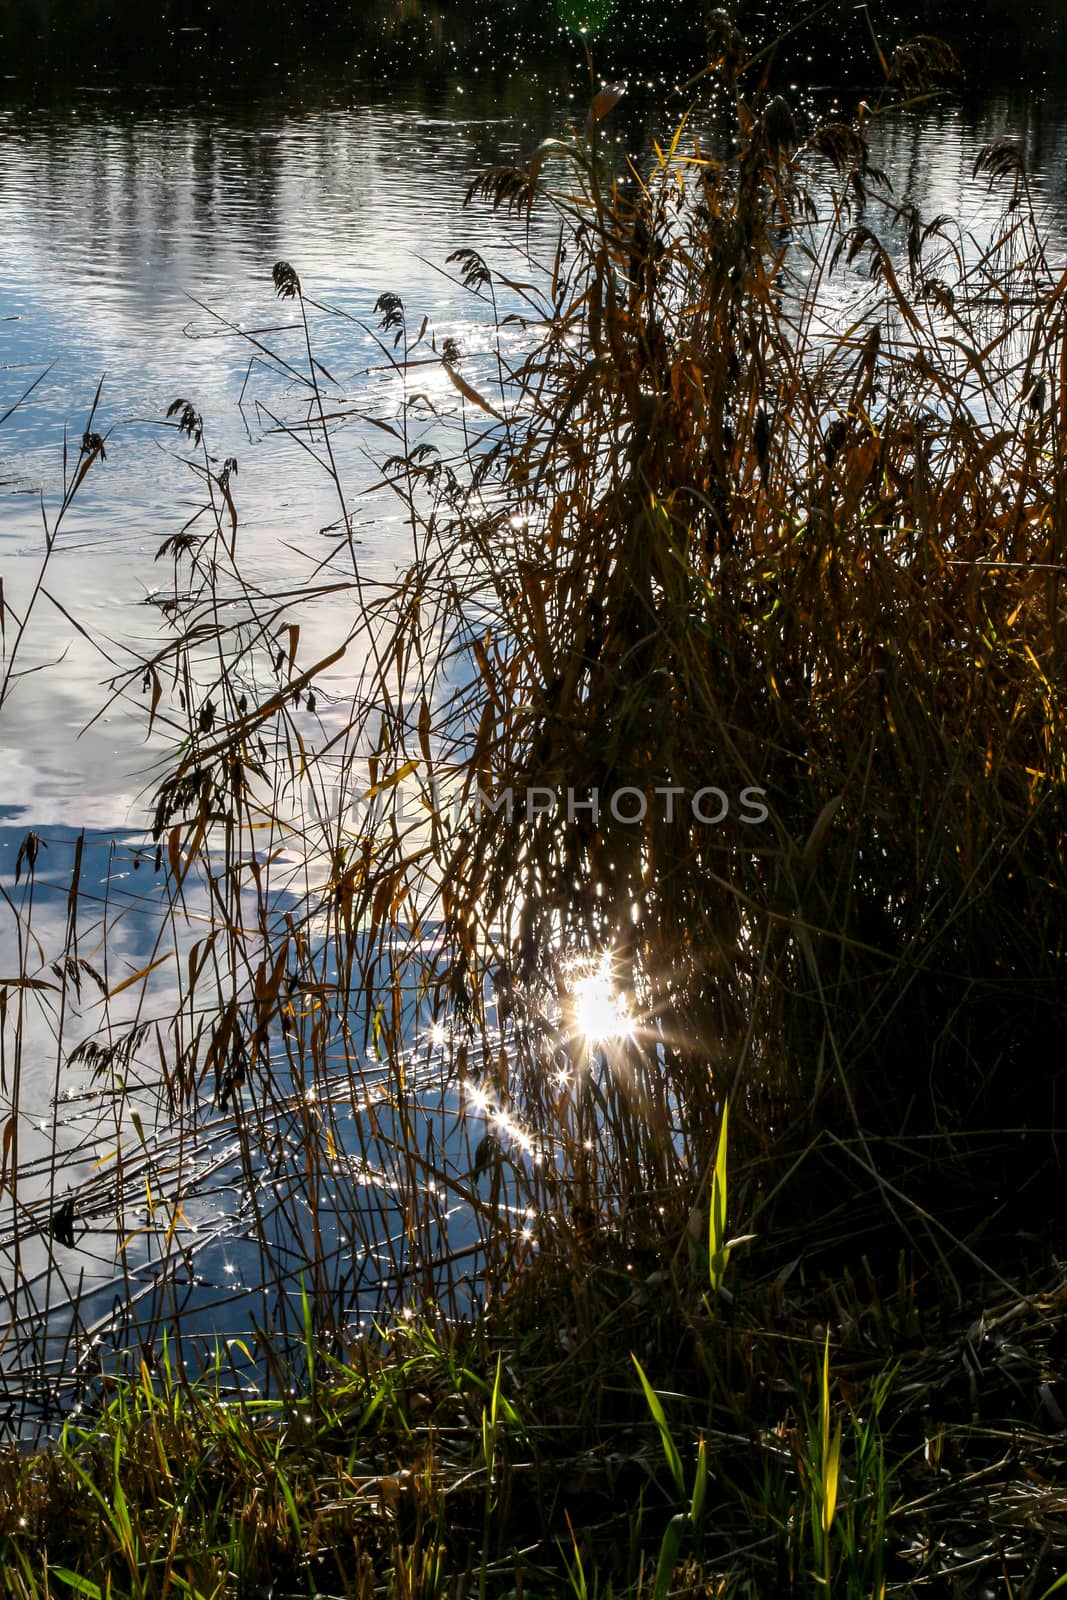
(198, 44)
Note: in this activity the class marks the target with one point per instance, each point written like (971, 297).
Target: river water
(137, 237)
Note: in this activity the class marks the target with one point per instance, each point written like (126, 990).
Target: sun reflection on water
(601, 1011)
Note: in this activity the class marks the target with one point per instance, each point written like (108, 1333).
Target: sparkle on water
(601, 1012)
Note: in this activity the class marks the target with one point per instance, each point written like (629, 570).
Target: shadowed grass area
(751, 502)
(744, 1457)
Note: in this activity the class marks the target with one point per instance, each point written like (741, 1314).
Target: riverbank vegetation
(732, 1260)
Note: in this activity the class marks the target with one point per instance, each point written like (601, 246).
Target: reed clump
(771, 514)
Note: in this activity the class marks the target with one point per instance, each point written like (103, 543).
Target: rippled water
(120, 235)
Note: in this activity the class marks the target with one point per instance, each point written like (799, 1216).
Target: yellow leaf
(390, 783)
(157, 695)
(136, 977)
(471, 394)
(830, 1473)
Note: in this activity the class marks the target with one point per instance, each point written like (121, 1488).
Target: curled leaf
(604, 101)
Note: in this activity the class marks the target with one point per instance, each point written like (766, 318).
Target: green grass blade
(670, 1450)
(718, 1255)
(79, 1585)
(668, 1555)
